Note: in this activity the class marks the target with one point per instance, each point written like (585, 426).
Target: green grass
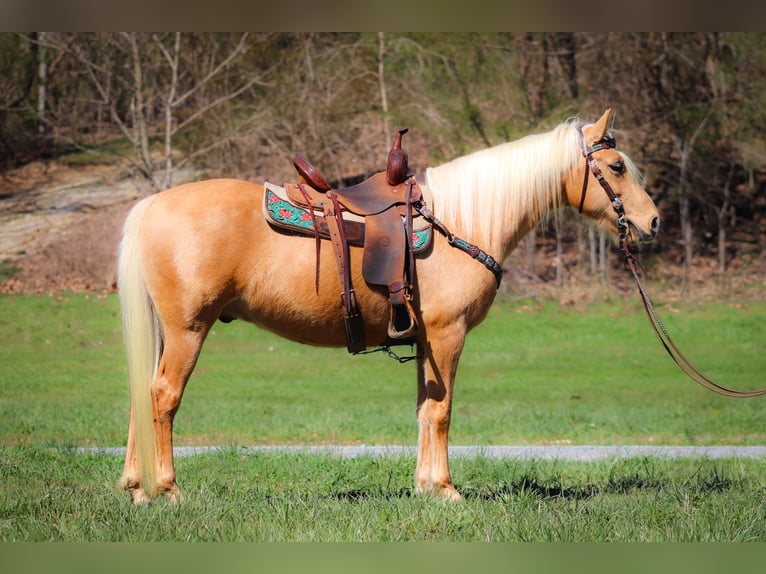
(529, 375)
(58, 496)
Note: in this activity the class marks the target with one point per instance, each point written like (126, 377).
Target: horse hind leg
(179, 356)
(151, 442)
(130, 482)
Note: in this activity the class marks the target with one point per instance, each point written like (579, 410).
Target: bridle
(592, 167)
(606, 142)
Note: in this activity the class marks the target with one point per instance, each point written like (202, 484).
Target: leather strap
(409, 269)
(591, 165)
(480, 255)
(667, 342)
(402, 322)
(355, 336)
(316, 235)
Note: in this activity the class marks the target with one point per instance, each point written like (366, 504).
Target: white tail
(142, 335)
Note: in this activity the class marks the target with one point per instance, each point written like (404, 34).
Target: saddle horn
(396, 167)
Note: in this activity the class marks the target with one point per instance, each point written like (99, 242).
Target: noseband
(608, 142)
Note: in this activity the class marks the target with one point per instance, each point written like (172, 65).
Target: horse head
(607, 186)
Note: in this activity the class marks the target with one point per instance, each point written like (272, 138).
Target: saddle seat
(386, 202)
(369, 197)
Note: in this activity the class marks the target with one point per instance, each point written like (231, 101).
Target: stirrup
(402, 323)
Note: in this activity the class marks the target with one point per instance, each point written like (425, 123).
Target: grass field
(50, 495)
(529, 375)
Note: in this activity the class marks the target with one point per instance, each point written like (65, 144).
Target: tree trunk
(687, 233)
(139, 113)
(169, 102)
(582, 251)
(529, 248)
(382, 84)
(685, 149)
(307, 57)
(722, 213)
(534, 72)
(42, 81)
(566, 49)
(603, 262)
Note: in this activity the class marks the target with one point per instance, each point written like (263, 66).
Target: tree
(18, 135)
(173, 96)
(142, 80)
(692, 110)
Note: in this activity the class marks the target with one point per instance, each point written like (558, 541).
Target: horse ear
(594, 132)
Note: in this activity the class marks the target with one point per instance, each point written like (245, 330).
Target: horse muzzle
(642, 235)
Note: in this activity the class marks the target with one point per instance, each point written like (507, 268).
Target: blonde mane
(496, 192)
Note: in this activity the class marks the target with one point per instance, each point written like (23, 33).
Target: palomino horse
(203, 251)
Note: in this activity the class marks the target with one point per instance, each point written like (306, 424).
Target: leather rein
(654, 319)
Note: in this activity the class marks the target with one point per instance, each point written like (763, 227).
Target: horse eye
(618, 168)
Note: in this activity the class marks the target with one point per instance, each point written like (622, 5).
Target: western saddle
(386, 202)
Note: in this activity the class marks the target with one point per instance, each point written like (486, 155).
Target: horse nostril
(655, 226)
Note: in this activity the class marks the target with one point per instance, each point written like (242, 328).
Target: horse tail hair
(143, 339)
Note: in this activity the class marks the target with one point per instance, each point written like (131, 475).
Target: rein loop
(654, 319)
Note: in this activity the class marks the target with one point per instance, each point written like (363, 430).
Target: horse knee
(167, 397)
(437, 422)
(435, 408)
(177, 362)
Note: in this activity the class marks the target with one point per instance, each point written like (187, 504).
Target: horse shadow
(485, 493)
(525, 486)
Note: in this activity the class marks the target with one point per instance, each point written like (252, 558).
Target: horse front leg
(437, 364)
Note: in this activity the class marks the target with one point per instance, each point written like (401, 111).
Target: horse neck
(494, 197)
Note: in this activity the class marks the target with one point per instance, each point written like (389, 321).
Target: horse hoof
(136, 492)
(139, 498)
(173, 494)
(445, 492)
(450, 494)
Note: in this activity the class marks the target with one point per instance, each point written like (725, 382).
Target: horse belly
(282, 294)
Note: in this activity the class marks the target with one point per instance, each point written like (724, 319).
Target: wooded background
(690, 112)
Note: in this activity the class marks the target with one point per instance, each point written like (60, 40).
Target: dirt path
(580, 453)
(60, 226)
(41, 200)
